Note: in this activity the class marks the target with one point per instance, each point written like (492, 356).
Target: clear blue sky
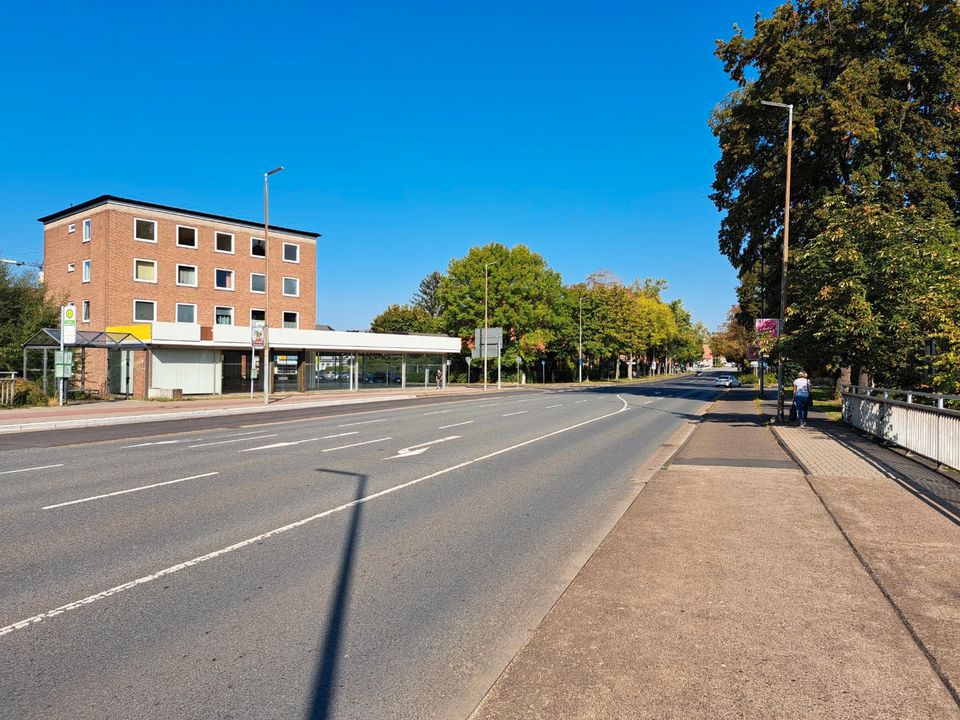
(410, 131)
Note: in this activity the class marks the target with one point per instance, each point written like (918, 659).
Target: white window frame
(87, 226)
(149, 302)
(259, 292)
(233, 314)
(156, 270)
(85, 311)
(71, 267)
(86, 270)
(72, 228)
(233, 280)
(196, 237)
(283, 322)
(233, 242)
(293, 245)
(176, 313)
(196, 275)
(156, 230)
(284, 287)
(253, 310)
(264, 256)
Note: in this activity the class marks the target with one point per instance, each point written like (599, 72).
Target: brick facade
(112, 250)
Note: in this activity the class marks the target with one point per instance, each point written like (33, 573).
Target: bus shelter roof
(50, 338)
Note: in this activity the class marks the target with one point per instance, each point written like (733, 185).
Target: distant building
(190, 284)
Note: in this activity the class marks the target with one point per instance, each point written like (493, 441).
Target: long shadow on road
(325, 678)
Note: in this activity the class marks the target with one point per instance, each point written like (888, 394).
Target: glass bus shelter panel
(422, 370)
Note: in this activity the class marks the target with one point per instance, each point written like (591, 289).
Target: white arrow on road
(418, 449)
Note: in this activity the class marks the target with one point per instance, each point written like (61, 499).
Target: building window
(86, 271)
(145, 230)
(144, 310)
(258, 282)
(223, 242)
(291, 319)
(258, 247)
(257, 316)
(187, 275)
(291, 253)
(186, 236)
(71, 267)
(223, 315)
(72, 228)
(85, 311)
(224, 279)
(87, 229)
(186, 313)
(145, 270)
(291, 287)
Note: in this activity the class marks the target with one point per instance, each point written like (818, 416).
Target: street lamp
(486, 285)
(266, 284)
(580, 349)
(786, 245)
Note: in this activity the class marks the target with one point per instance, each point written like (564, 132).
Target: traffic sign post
(68, 336)
(543, 368)
(256, 341)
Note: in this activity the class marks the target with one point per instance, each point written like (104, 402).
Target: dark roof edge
(103, 199)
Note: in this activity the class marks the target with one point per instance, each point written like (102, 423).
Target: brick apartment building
(190, 283)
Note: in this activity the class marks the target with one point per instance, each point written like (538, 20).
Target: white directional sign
(419, 449)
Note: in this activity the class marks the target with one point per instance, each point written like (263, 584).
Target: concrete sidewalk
(729, 590)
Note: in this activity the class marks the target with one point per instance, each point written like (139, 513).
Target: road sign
(494, 342)
(68, 324)
(767, 326)
(256, 334)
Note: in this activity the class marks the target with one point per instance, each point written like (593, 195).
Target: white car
(727, 381)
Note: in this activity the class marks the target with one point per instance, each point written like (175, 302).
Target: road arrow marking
(419, 449)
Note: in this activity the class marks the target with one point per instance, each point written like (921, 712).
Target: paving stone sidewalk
(729, 589)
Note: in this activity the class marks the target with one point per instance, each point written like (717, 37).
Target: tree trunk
(842, 379)
(864, 379)
(616, 365)
(630, 366)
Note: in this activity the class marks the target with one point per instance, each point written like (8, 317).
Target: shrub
(28, 394)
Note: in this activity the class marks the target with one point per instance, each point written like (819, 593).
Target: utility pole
(483, 348)
(580, 347)
(266, 284)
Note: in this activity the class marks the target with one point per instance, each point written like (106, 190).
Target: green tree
(732, 340)
(427, 296)
(404, 319)
(875, 86)
(24, 310)
(526, 299)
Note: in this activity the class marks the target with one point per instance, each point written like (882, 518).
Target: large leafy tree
(24, 309)
(876, 90)
(404, 319)
(427, 297)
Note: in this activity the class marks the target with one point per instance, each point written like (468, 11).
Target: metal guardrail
(7, 388)
(919, 421)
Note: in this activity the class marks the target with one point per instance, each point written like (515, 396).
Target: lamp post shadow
(325, 678)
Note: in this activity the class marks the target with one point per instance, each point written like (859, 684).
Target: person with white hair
(801, 397)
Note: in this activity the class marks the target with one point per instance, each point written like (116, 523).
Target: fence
(919, 421)
(8, 383)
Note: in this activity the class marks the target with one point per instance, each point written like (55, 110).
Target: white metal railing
(7, 387)
(919, 422)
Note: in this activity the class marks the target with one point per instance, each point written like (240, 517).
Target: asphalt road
(384, 564)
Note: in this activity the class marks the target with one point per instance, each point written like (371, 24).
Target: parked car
(727, 381)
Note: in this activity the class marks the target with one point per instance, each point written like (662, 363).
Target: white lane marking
(124, 492)
(580, 401)
(553, 406)
(39, 467)
(419, 449)
(518, 412)
(647, 402)
(363, 422)
(487, 405)
(27, 622)
(365, 442)
(157, 442)
(465, 422)
(439, 412)
(296, 442)
(227, 442)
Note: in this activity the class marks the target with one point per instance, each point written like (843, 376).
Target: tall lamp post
(580, 348)
(266, 284)
(786, 246)
(486, 294)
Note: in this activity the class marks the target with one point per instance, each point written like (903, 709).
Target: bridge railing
(923, 423)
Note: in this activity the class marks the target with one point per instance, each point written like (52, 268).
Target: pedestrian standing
(801, 397)
(439, 379)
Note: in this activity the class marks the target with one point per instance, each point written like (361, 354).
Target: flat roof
(104, 199)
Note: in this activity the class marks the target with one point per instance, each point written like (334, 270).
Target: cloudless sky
(410, 131)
